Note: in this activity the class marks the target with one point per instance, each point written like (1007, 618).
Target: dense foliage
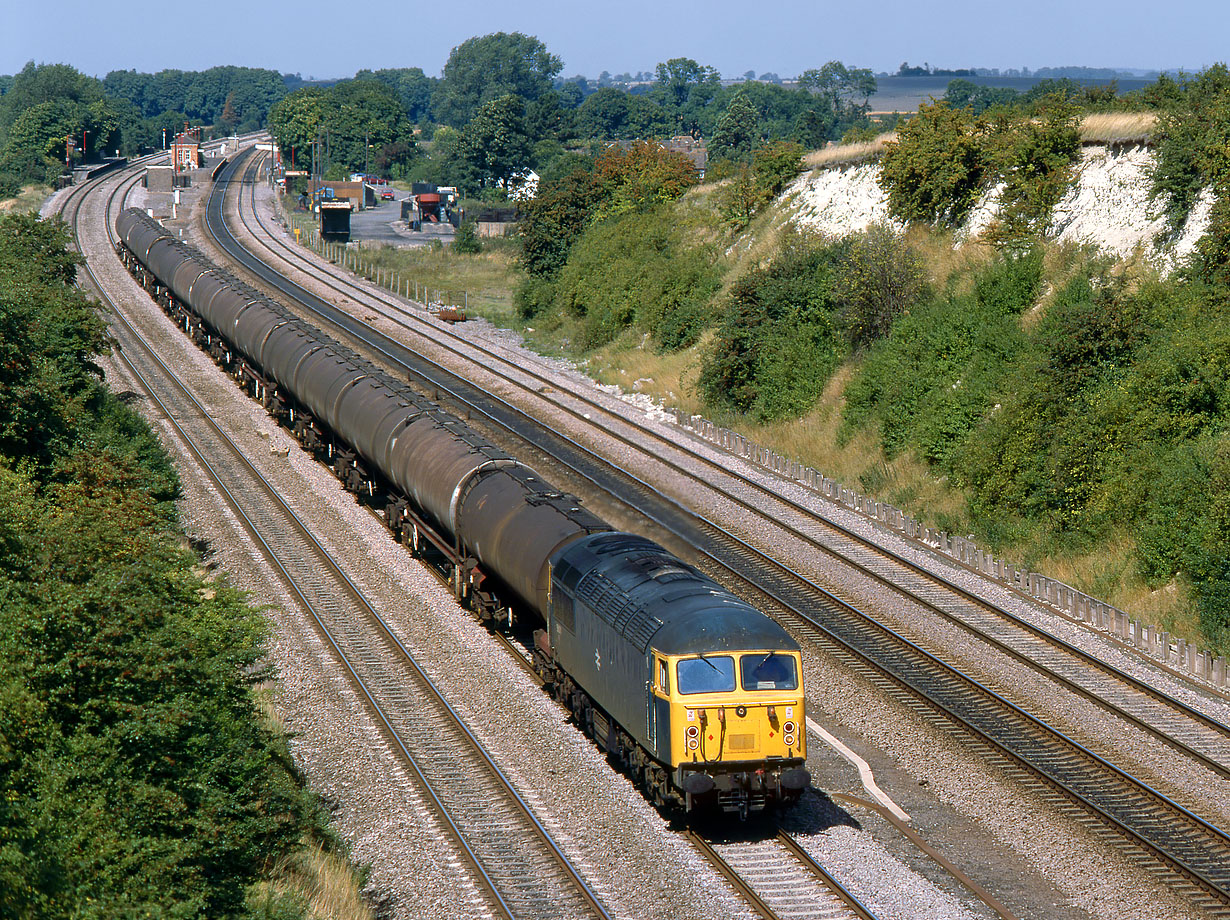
(938, 166)
(50, 114)
(945, 158)
(931, 380)
(600, 247)
(233, 98)
(1193, 156)
(358, 124)
(776, 344)
(134, 778)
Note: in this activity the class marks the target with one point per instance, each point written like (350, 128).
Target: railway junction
(985, 796)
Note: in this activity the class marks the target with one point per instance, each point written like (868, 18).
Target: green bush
(637, 271)
(938, 373)
(135, 778)
(467, 240)
(880, 278)
(936, 169)
(1035, 160)
(1192, 142)
(777, 344)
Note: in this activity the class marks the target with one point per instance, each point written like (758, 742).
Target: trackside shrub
(939, 372)
(135, 777)
(638, 271)
(777, 343)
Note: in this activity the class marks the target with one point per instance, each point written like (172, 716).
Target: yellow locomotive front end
(735, 727)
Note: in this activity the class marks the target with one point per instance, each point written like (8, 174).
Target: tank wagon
(695, 693)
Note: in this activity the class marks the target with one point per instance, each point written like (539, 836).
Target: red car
(386, 195)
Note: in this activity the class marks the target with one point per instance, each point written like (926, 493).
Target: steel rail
(351, 589)
(905, 667)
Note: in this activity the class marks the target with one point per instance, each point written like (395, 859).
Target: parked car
(387, 194)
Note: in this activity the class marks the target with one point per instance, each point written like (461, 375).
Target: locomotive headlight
(741, 711)
(788, 740)
(788, 728)
(692, 744)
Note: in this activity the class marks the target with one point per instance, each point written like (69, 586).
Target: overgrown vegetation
(945, 158)
(604, 254)
(135, 777)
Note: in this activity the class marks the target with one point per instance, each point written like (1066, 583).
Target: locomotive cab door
(659, 709)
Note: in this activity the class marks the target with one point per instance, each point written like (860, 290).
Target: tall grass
(1117, 128)
(318, 879)
(30, 198)
(848, 154)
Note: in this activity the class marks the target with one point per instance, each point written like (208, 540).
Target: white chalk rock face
(1108, 207)
(840, 200)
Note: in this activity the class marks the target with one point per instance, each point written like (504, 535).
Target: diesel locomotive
(694, 692)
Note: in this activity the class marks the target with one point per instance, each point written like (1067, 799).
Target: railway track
(1196, 735)
(780, 879)
(511, 857)
(1183, 847)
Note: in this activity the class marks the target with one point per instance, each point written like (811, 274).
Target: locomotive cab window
(664, 680)
(710, 674)
(772, 671)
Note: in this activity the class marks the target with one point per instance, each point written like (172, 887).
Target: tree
(35, 148)
(642, 176)
(880, 279)
(684, 88)
(412, 86)
(937, 166)
(359, 113)
(496, 143)
(554, 219)
(46, 83)
(963, 94)
(841, 86)
(295, 120)
(738, 131)
(605, 114)
(486, 68)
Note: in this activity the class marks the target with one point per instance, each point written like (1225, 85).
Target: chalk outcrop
(1108, 207)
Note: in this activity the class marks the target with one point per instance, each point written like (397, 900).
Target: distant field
(905, 94)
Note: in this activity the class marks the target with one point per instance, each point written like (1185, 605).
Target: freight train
(693, 692)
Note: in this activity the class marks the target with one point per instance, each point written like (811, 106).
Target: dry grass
(484, 282)
(320, 877)
(322, 880)
(848, 154)
(670, 378)
(1118, 128)
(29, 199)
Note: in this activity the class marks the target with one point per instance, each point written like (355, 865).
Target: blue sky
(333, 39)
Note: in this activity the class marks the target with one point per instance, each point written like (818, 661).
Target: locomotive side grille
(609, 602)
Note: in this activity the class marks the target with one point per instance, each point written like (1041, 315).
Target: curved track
(1186, 848)
(511, 856)
(1184, 728)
